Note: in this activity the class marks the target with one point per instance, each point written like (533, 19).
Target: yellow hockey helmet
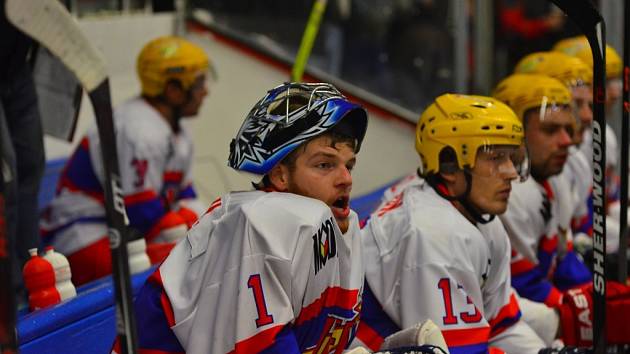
(571, 46)
(523, 92)
(579, 47)
(170, 58)
(613, 61)
(465, 124)
(570, 70)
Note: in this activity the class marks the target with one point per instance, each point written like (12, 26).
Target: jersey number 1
(264, 318)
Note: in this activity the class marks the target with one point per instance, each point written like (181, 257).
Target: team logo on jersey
(338, 332)
(324, 244)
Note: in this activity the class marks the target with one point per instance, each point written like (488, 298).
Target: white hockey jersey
(612, 146)
(538, 221)
(428, 261)
(260, 271)
(155, 171)
(578, 174)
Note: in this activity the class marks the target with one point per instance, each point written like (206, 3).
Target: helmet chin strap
(436, 183)
(463, 199)
(176, 111)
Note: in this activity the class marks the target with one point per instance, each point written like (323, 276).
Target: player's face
(548, 141)
(613, 92)
(583, 101)
(198, 91)
(492, 179)
(322, 171)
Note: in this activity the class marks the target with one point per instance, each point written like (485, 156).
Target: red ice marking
(264, 318)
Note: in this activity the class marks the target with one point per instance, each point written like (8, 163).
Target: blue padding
(49, 181)
(89, 314)
(92, 334)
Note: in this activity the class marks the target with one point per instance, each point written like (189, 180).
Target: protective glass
(503, 161)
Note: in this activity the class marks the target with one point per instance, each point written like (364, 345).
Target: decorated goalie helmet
(289, 115)
(171, 58)
(467, 125)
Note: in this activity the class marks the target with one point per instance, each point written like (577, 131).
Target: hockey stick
(308, 38)
(623, 216)
(48, 22)
(589, 20)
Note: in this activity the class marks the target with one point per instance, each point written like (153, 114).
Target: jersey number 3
(264, 318)
(450, 319)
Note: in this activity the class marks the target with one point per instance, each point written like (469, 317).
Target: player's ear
(449, 177)
(279, 177)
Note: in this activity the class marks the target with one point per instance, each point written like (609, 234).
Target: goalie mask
(286, 117)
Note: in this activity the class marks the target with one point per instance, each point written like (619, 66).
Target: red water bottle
(39, 279)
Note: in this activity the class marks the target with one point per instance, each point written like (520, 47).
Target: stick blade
(48, 22)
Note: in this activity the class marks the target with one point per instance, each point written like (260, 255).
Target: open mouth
(341, 207)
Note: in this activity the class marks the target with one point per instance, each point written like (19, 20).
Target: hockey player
(571, 71)
(538, 215)
(278, 269)
(436, 251)
(579, 47)
(577, 76)
(155, 154)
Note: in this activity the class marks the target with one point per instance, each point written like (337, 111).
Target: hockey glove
(422, 333)
(576, 315)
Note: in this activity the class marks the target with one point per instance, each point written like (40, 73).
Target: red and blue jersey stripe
(78, 174)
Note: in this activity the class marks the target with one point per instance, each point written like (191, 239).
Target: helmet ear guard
(289, 115)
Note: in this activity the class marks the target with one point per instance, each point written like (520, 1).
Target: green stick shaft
(308, 38)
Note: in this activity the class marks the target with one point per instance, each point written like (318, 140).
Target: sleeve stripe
(466, 336)
(548, 244)
(67, 183)
(214, 205)
(258, 341)
(369, 336)
(521, 266)
(331, 297)
(173, 176)
(508, 315)
(141, 197)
